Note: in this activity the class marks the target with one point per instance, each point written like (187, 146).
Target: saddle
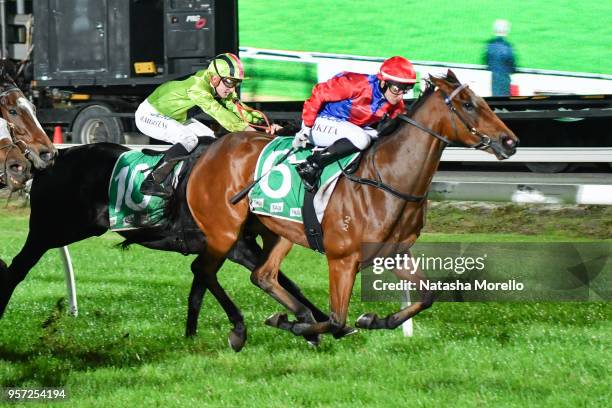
(130, 209)
(280, 193)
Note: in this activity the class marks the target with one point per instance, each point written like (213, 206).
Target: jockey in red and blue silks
(340, 112)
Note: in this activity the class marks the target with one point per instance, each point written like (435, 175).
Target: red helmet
(397, 69)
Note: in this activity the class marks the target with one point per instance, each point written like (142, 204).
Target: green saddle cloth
(281, 193)
(128, 208)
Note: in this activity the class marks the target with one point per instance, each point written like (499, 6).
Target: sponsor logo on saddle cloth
(280, 194)
(128, 208)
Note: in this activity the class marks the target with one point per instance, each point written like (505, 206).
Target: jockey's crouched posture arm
(340, 113)
(167, 114)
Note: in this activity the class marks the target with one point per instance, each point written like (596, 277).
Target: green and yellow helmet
(227, 65)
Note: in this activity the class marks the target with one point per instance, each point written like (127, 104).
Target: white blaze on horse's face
(5, 133)
(26, 105)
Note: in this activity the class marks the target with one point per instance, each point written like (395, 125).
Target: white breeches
(153, 124)
(327, 130)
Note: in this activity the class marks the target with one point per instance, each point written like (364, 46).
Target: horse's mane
(389, 126)
(429, 89)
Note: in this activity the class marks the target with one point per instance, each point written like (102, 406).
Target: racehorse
(14, 167)
(69, 203)
(27, 132)
(384, 201)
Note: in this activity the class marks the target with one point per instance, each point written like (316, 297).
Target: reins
(484, 142)
(241, 108)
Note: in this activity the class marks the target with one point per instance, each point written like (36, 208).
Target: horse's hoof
(365, 320)
(276, 319)
(345, 332)
(236, 339)
(313, 339)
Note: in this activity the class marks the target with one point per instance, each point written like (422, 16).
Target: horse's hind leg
(205, 277)
(238, 335)
(247, 253)
(25, 260)
(393, 320)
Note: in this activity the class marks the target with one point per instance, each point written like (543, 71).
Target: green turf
(561, 35)
(127, 348)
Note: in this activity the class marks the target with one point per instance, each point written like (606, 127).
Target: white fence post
(71, 286)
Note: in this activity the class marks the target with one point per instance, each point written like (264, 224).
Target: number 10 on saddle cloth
(128, 208)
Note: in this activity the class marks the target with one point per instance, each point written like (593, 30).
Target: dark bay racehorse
(14, 167)
(27, 132)
(69, 203)
(404, 161)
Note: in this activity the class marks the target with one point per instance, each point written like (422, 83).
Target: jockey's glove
(301, 138)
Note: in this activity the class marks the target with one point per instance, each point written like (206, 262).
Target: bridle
(4, 169)
(12, 128)
(484, 142)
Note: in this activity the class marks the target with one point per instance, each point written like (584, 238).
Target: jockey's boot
(154, 183)
(310, 170)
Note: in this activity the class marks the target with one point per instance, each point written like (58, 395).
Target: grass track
(127, 345)
(561, 35)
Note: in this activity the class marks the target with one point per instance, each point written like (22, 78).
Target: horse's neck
(408, 159)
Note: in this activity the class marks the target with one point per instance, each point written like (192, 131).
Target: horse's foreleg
(342, 274)
(10, 277)
(393, 320)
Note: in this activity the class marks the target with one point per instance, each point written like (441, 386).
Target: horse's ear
(7, 71)
(450, 77)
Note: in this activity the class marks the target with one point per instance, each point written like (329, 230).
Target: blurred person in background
(500, 59)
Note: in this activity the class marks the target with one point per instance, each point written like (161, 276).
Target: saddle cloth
(280, 193)
(128, 208)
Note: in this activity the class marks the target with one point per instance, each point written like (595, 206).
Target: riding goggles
(231, 82)
(399, 89)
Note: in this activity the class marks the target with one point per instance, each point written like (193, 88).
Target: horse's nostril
(46, 156)
(17, 168)
(508, 142)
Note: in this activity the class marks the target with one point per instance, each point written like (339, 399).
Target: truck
(88, 64)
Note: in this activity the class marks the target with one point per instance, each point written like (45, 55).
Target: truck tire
(93, 126)
(546, 167)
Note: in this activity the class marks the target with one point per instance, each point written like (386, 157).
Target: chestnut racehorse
(382, 202)
(27, 132)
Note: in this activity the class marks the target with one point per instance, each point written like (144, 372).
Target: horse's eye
(13, 112)
(469, 106)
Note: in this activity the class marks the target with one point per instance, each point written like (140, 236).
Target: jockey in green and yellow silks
(168, 113)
